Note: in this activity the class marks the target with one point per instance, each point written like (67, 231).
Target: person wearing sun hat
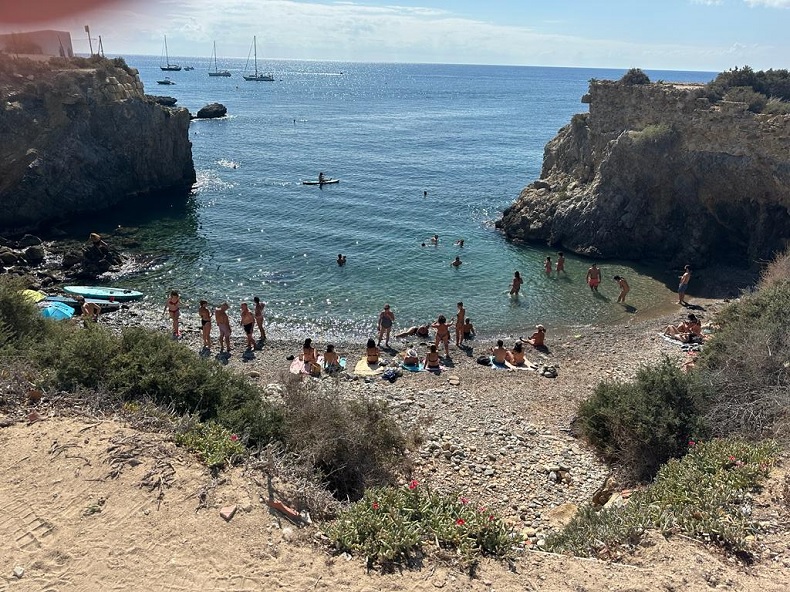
(538, 336)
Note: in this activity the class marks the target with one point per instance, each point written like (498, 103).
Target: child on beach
(259, 306)
(247, 321)
(223, 324)
(442, 334)
(469, 329)
(547, 265)
(205, 323)
(172, 306)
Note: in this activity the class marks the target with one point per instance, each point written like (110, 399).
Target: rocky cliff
(656, 171)
(81, 136)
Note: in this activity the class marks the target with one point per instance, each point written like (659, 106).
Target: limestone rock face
(82, 138)
(657, 172)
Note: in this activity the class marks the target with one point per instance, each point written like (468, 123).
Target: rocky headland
(79, 136)
(658, 171)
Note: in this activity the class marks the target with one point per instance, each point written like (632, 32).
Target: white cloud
(769, 3)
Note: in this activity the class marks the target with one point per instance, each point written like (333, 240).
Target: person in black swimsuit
(205, 323)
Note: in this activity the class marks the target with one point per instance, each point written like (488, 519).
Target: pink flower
(233, 437)
(413, 484)
(732, 459)
(460, 522)
(491, 518)
(692, 443)
(375, 505)
(464, 500)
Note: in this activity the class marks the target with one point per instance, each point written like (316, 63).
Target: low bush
(644, 423)
(635, 76)
(660, 135)
(391, 525)
(705, 495)
(355, 444)
(747, 361)
(744, 94)
(214, 444)
(21, 324)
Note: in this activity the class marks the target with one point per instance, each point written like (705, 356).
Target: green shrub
(644, 423)
(770, 83)
(635, 76)
(354, 443)
(776, 106)
(390, 525)
(747, 360)
(744, 94)
(214, 444)
(20, 321)
(81, 357)
(659, 134)
(704, 495)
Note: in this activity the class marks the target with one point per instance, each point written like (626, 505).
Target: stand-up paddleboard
(105, 305)
(118, 294)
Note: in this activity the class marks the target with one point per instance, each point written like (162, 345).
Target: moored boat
(100, 293)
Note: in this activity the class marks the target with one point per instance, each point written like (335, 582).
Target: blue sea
(470, 136)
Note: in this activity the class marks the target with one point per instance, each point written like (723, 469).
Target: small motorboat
(165, 80)
(323, 182)
(99, 293)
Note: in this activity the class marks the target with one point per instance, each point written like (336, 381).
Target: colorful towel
(364, 369)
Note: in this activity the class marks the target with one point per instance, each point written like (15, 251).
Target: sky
(706, 35)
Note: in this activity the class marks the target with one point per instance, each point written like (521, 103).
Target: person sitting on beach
(442, 334)
(421, 331)
(341, 259)
(259, 306)
(431, 361)
(90, 310)
(516, 355)
(515, 285)
(690, 327)
(205, 323)
(469, 329)
(499, 353)
(223, 324)
(538, 337)
(593, 277)
(456, 262)
(624, 288)
(173, 306)
(386, 318)
(247, 322)
(411, 358)
(331, 359)
(372, 352)
(308, 352)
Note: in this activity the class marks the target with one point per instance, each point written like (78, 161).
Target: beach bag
(390, 374)
(484, 360)
(315, 369)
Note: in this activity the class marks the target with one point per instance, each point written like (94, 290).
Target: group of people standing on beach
(248, 320)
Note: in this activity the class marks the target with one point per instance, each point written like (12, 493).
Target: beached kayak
(105, 305)
(117, 294)
(324, 182)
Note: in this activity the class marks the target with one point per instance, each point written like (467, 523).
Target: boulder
(35, 255)
(166, 101)
(212, 111)
(28, 241)
(8, 257)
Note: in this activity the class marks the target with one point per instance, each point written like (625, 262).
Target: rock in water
(212, 111)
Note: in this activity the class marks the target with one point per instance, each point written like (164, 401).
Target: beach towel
(413, 368)
(299, 367)
(496, 366)
(364, 369)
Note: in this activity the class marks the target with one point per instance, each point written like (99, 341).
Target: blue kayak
(117, 294)
(57, 310)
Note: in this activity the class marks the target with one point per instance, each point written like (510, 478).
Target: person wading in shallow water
(593, 277)
(624, 288)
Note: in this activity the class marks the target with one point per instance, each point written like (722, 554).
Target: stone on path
(227, 512)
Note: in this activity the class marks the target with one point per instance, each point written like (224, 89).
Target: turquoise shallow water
(471, 136)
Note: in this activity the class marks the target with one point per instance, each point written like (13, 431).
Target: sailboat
(256, 77)
(168, 67)
(217, 72)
